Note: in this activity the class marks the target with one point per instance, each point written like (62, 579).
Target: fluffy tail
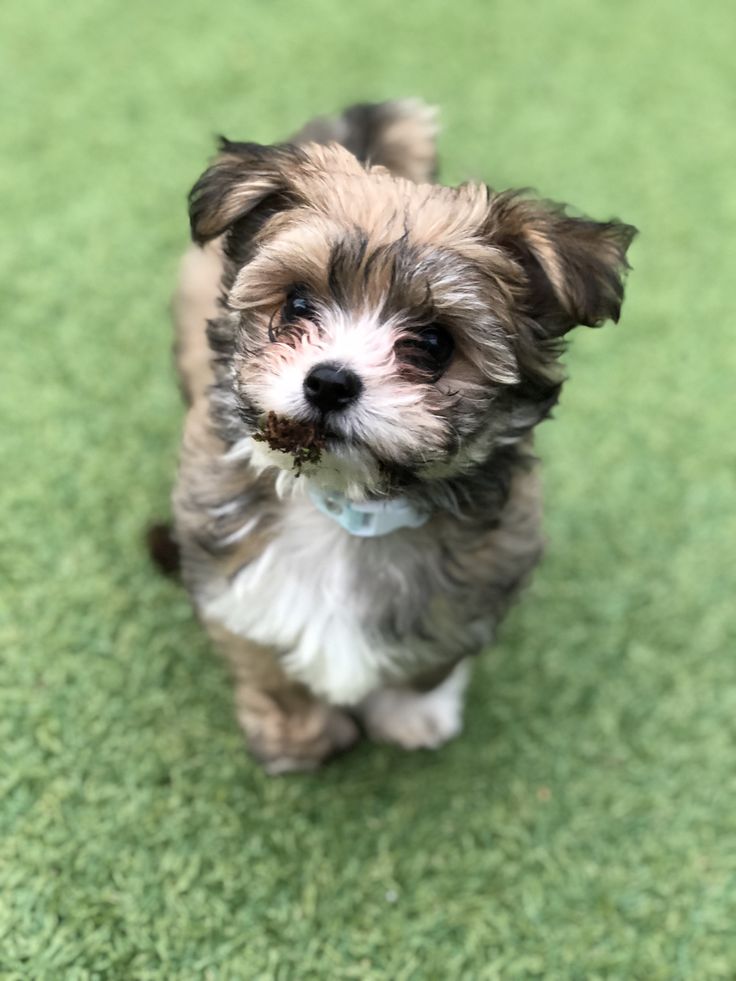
(400, 135)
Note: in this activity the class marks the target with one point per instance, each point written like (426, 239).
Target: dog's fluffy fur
(324, 629)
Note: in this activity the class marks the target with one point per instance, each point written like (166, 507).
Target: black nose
(328, 387)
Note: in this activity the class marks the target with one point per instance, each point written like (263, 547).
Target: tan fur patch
(391, 269)
(193, 304)
(287, 728)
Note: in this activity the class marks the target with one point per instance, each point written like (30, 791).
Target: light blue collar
(371, 519)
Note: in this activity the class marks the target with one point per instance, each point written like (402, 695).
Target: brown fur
(287, 728)
(193, 305)
(207, 480)
(508, 275)
(399, 136)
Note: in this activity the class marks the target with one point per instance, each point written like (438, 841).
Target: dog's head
(383, 333)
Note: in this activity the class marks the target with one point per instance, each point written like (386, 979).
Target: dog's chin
(340, 465)
(321, 455)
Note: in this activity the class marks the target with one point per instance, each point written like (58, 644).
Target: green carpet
(585, 824)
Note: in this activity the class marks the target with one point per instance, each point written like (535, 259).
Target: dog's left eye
(430, 349)
(437, 343)
(298, 306)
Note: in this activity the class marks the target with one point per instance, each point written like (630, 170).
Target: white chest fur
(302, 596)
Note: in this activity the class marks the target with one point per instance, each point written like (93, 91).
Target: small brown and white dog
(365, 355)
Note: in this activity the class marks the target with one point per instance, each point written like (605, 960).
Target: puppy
(365, 355)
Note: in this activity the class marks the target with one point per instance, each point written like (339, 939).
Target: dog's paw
(294, 738)
(334, 732)
(416, 720)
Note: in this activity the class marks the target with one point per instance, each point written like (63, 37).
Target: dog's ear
(573, 268)
(245, 185)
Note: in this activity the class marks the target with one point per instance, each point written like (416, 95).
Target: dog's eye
(437, 343)
(298, 306)
(430, 349)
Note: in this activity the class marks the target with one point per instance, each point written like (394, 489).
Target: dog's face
(388, 332)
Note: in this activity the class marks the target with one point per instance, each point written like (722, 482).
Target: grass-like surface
(585, 824)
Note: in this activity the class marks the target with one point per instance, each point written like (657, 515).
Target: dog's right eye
(298, 306)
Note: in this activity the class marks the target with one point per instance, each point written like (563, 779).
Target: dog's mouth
(306, 441)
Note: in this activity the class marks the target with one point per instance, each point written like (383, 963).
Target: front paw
(415, 720)
(293, 734)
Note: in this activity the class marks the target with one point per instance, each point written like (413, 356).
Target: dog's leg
(285, 726)
(418, 720)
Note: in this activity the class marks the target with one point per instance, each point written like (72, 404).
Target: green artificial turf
(584, 826)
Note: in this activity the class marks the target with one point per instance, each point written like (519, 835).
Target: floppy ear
(574, 267)
(245, 185)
